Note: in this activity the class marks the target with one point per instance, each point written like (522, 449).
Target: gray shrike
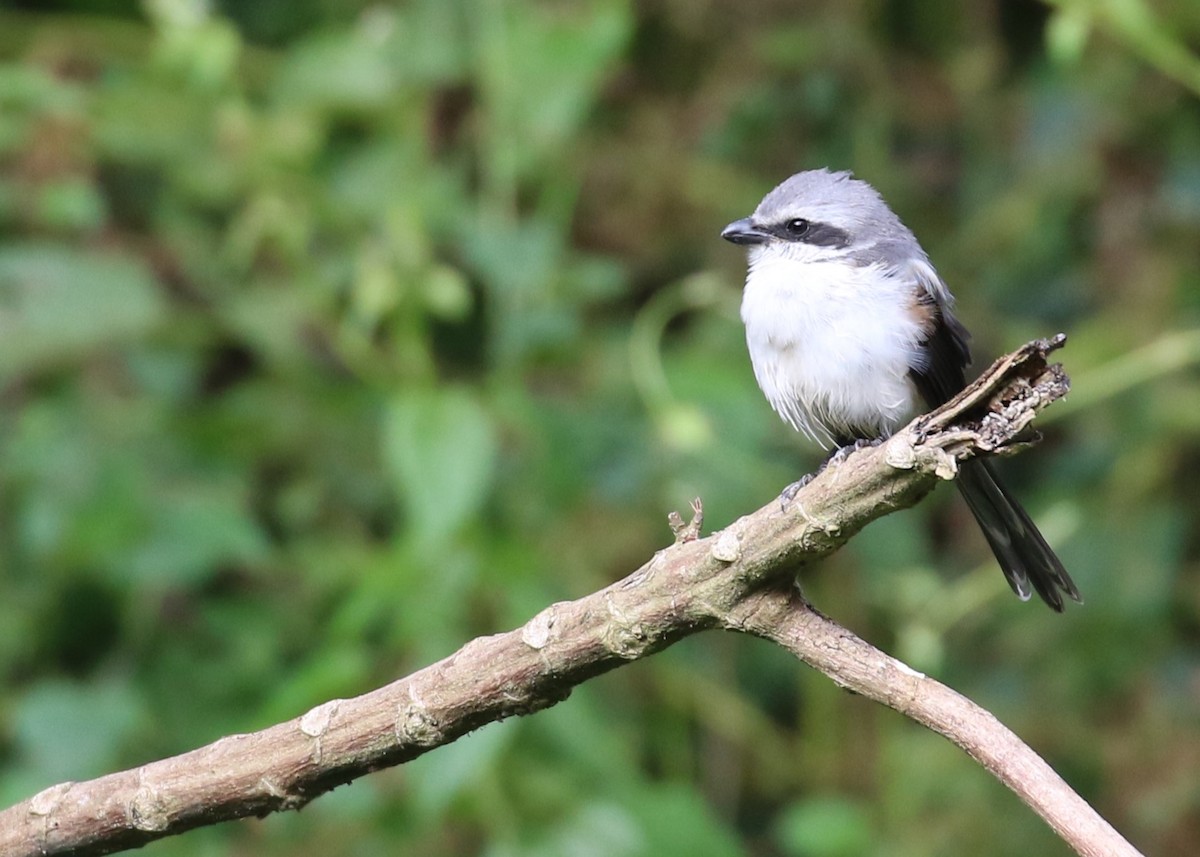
(850, 327)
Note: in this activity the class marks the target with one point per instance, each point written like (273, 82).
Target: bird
(850, 328)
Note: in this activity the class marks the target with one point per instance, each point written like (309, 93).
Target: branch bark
(740, 579)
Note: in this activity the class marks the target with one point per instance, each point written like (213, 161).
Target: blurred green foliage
(335, 334)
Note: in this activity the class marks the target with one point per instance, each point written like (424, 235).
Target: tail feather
(1028, 563)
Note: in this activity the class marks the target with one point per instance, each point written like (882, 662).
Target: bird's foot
(788, 494)
(843, 452)
(836, 457)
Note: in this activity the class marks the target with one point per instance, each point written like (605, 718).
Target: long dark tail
(1023, 554)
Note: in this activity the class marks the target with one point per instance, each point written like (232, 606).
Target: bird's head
(818, 215)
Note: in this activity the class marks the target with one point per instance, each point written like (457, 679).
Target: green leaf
(71, 204)
(677, 823)
(598, 829)
(441, 449)
(439, 778)
(825, 827)
(68, 731)
(1067, 33)
(196, 528)
(56, 301)
(338, 69)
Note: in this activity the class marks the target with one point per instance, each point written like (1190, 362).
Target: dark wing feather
(946, 354)
(1027, 561)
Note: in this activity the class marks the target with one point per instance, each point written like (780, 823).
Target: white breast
(831, 343)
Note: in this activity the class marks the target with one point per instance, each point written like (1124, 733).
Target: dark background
(334, 334)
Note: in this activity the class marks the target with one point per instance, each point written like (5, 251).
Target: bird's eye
(797, 227)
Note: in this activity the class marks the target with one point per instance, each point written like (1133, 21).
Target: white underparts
(831, 342)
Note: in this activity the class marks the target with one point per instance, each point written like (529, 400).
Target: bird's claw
(788, 494)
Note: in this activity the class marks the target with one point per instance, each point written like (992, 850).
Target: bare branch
(782, 616)
(739, 578)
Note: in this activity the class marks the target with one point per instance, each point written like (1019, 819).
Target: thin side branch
(739, 578)
(783, 617)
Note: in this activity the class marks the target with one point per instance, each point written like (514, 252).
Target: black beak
(741, 232)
